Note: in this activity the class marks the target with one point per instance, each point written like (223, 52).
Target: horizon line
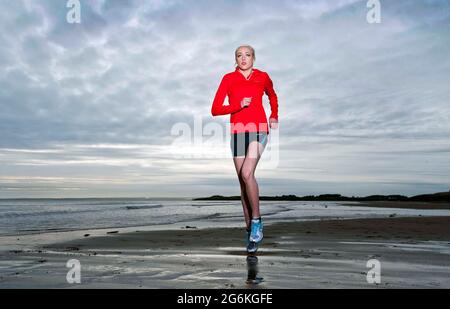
(190, 197)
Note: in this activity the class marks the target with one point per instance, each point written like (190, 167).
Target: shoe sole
(252, 251)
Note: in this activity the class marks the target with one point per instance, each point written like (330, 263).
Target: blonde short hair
(247, 46)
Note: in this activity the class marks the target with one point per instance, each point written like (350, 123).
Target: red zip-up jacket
(251, 118)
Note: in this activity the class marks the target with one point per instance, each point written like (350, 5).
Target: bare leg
(238, 162)
(255, 150)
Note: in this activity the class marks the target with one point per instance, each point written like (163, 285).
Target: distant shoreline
(440, 197)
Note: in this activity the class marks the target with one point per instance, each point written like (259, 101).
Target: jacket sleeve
(273, 99)
(217, 107)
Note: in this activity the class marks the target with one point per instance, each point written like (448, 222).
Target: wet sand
(413, 253)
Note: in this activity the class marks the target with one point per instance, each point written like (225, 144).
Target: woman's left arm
(273, 99)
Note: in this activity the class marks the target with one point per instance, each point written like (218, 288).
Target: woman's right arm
(217, 107)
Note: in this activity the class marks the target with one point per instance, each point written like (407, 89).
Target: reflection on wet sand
(252, 270)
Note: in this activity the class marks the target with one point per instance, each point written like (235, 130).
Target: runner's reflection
(252, 270)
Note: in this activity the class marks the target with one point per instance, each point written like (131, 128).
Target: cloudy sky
(90, 109)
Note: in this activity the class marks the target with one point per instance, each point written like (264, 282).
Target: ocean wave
(143, 207)
(13, 214)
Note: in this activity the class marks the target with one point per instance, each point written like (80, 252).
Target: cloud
(365, 105)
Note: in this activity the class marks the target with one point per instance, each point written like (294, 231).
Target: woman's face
(244, 58)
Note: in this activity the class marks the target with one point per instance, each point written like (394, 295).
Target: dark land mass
(440, 197)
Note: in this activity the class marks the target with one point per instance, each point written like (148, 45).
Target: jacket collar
(254, 71)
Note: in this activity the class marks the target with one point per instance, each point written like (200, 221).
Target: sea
(36, 216)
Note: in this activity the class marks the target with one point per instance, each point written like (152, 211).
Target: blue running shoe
(252, 247)
(256, 234)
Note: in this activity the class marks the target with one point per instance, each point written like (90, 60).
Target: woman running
(249, 130)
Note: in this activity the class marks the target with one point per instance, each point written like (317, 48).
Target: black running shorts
(239, 142)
